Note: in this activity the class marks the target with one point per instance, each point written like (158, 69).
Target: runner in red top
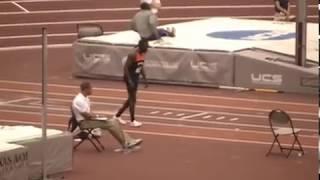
(133, 68)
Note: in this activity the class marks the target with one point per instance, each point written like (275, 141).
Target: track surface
(21, 21)
(189, 133)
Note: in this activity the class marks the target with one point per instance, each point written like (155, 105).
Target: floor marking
(220, 118)
(20, 7)
(170, 135)
(49, 35)
(207, 117)
(14, 101)
(180, 114)
(234, 119)
(49, 104)
(162, 8)
(101, 112)
(31, 47)
(155, 112)
(167, 113)
(66, 109)
(31, 1)
(176, 94)
(194, 115)
(156, 107)
(129, 20)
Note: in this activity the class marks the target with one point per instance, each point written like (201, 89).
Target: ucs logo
(90, 59)
(253, 35)
(267, 79)
(204, 66)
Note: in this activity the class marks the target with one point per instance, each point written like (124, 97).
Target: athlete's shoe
(120, 120)
(135, 123)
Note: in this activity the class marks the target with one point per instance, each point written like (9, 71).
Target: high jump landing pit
(254, 54)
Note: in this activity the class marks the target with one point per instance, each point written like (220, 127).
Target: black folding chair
(89, 30)
(86, 133)
(280, 118)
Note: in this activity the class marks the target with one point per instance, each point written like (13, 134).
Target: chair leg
(78, 144)
(100, 144)
(94, 144)
(268, 153)
(292, 147)
(278, 142)
(299, 144)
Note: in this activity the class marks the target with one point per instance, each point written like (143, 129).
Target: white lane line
(32, 47)
(14, 101)
(186, 104)
(207, 117)
(180, 114)
(162, 8)
(92, 21)
(20, 7)
(49, 104)
(155, 112)
(234, 119)
(157, 107)
(129, 20)
(169, 135)
(194, 115)
(49, 35)
(66, 109)
(220, 118)
(36, 102)
(100, 112)
(189, 126)
(31, 1)
(167, 113)
(182, 95)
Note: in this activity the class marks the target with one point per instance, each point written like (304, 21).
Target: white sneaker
(135, 124)
(120, 120)
(134, 143)
(77, 140)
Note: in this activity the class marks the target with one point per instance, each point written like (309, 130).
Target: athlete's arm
(143, 74)
(126, 70)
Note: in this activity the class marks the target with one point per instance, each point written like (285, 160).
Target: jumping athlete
(133, 68)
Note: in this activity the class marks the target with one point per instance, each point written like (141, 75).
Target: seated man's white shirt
(80, 104)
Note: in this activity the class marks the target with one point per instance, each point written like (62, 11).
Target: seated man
(145, 24)
(282, 8)
(83, 114)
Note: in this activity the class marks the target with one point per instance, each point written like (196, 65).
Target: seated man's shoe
(133, 143)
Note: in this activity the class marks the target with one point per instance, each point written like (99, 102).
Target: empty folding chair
(281, 125)
(85, 133)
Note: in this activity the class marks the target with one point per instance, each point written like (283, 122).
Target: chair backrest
(73, 123)
(278, 116)
(281, 118)
(89, 30)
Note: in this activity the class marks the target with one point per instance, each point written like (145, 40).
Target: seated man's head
(86, 88)
(145, 6)
(143, 46)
